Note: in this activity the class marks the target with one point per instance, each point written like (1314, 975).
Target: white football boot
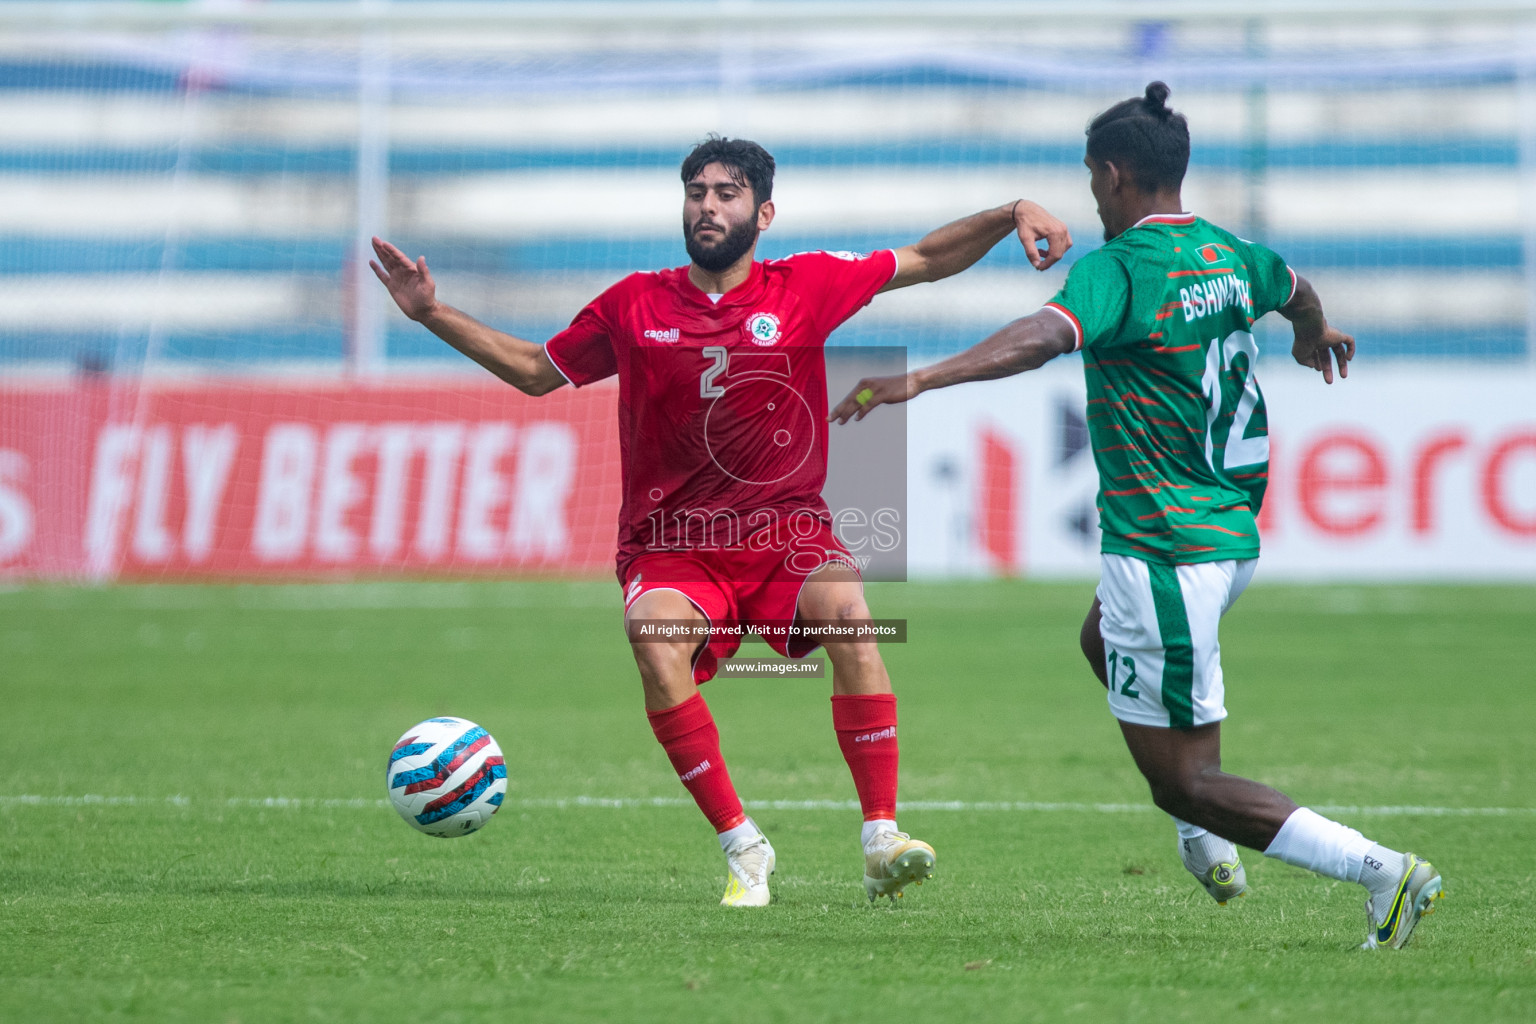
(894, 860)
(750, 861)
(1220, 872)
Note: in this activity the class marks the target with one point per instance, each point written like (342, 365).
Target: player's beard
(721, 255)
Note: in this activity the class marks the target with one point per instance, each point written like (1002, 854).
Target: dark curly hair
(1142, 136)
(747, 163)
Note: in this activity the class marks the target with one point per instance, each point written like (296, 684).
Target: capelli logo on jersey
(763, 328)
(669, 335)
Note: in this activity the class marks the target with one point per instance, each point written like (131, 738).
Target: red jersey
(722, 405)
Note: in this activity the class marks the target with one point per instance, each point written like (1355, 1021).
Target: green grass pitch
(213, 908)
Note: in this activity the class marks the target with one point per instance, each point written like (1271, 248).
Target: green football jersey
(1163, 315)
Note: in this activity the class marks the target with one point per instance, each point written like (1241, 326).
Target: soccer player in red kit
(723, 444)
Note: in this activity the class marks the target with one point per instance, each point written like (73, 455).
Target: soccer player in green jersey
(1162, 314)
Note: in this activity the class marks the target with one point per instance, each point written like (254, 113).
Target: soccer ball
(446, 777)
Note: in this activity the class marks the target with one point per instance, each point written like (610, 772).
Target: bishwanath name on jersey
(1206, 298)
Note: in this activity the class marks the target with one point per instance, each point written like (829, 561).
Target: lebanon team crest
(763, 328)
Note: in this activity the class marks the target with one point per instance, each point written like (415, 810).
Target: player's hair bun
(1141, 133)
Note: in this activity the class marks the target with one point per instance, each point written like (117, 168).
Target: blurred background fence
(188, 189)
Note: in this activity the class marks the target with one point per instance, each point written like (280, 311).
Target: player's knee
(834, 604)
(1185, 794)
(852, 652)
(659, 659)
(849, 609)
(843, 612)
(1176, 794)
(1171, 800)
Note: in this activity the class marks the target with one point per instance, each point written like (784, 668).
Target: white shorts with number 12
(1159, 624)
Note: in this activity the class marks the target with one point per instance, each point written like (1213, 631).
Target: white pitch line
(634, 803)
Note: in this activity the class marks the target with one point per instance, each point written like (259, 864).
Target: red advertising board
(1406, 473)
(305, 480)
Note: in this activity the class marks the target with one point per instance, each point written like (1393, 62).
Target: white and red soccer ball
(446, 777)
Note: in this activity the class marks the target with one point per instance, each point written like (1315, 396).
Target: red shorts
(739, 586)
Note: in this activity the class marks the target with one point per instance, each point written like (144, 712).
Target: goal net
(199, 376)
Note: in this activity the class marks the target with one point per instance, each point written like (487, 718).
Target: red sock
(866, 730)
(687, 732)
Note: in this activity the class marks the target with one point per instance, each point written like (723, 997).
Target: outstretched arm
(1317, 345)
(523, 364)
(955, 246)
(1025, 344)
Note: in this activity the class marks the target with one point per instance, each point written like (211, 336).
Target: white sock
(1186, 830)
(746, 830)
(1381, 874)
(1201, 849)
(1309, 840)
(1383, 869)
(874, 827)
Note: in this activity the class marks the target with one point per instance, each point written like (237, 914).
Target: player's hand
(873, 391)
(1033, 223)
(1320, 349)
(410, 284)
